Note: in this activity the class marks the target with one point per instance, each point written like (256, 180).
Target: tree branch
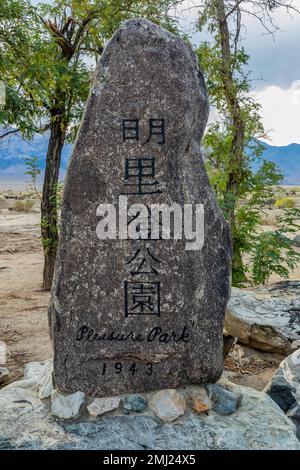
(12, 131)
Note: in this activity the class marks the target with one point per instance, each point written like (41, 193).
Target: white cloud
(281, 113)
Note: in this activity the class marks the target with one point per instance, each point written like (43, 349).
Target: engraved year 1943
(131, 367)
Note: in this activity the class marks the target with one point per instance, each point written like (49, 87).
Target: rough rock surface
(225, 402)
(102, 405)
(67, 406)
(37, 376)
(266, 319)
(168, 405)
(199, 400)
(134, 403)
(109, 335)
(27, 423)
(4, 372)
(284, 388)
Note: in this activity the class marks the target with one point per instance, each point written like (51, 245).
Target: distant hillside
(14, 149)
(288, 160)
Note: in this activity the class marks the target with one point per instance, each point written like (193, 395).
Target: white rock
(102, 405)
(265, 319)
(67, 406)
(37, 377)
(33, 369)
(46, 385)
(168, 405)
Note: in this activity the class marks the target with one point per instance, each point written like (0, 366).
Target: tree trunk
(49, 228)
(237, 147)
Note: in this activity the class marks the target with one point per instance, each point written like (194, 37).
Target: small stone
(199, 400)
(67, 406)
(102, 405)
(3, 374)
(224, 401)
(135, 403)
(168, 405)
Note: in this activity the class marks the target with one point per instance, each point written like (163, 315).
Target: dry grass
(284, 203)
(22, 206)
(268, 221)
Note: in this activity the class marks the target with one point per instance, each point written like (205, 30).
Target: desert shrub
(272, 254)
(22, 206)
(28, 205)
(18, 206)
(272, 251)
(284, 203)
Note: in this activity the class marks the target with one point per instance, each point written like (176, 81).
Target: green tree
(231, 143)
(33, 171)
(48, 57)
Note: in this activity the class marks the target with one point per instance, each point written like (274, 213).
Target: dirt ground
(23, 303)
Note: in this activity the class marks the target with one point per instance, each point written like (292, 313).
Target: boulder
(267, 319)
(27, 423)
(284, 388)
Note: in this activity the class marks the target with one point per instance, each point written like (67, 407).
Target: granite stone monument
(142, 273)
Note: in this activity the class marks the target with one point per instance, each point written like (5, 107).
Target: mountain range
(14, 149)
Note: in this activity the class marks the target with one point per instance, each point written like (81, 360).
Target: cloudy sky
(275, 66)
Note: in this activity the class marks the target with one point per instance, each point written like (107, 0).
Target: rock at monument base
(46, 383)
(67, 407)
(135, 315)
(198, 399)
(101, 406)
(225, 402)
(168, 405)
(266, 319)
(134, 403)
(27, 423)
(284, 388)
